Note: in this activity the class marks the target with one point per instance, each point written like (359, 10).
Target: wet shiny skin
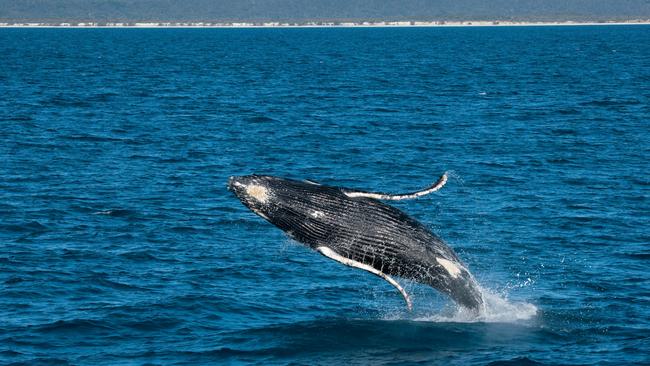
(360, 232)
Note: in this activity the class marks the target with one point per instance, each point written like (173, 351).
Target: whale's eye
(258, 192)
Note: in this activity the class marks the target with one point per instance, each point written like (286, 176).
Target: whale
(358, 229)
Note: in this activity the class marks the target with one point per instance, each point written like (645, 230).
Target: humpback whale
(357, 229)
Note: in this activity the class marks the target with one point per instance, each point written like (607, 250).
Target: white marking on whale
(449, 266)
(260, 193)
(352, 263)
(317, 214)
(396, 197)
(260, 213)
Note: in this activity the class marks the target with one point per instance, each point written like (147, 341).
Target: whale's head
(257, 192)
(277, 199)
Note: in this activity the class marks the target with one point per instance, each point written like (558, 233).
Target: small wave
(13, 280)
(384, 110)
(101, 280)
(29, 227)
(115, 213)
(519, 361)
(139, 256)
(154, 323)
(610, 102)
(10, 353)
(169, 96)
(564, 132)
(640, 256)
(20, 118)
(6, 206)
(568, 111)
(174, 160)
(102, 97)
(261, 119)
(74, 325)
(142, 157)
(43, 361)
(190, 229)
(497, 310)
(92, 138)
(67, 101)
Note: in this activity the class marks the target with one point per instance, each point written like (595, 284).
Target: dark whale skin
(362, 229)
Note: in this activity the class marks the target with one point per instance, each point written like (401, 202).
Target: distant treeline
(320, 10)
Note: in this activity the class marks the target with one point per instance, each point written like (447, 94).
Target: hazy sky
(301, 10)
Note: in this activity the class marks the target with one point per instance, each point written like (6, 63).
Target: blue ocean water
(120, 244)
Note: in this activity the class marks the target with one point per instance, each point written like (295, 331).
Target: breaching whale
(356, 229)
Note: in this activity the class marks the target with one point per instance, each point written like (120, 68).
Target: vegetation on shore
(302, 12)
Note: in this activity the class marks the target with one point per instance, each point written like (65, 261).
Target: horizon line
(314, 24)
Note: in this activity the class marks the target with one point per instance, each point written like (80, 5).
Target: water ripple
(120, 244)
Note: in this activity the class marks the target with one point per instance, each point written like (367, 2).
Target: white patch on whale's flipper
(396, 197)
(449, 266)
(352, 263)
(312, 182)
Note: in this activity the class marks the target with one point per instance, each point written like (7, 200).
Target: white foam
(497, 309)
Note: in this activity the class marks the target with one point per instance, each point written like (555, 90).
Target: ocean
(121, 245)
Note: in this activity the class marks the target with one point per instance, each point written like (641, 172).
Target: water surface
(120, 245)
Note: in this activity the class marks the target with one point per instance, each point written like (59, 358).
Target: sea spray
(497, 309)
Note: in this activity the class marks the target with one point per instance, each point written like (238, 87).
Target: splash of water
(497, 309)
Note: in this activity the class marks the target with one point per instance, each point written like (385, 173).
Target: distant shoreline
(324, 24)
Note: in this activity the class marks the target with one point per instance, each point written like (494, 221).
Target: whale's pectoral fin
(396, 197)
(352, 263)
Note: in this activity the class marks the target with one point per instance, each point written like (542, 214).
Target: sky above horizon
(306, 10)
